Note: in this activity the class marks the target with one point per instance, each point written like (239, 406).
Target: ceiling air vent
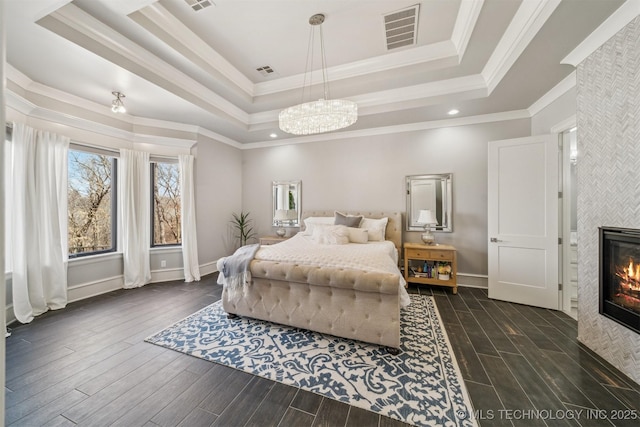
(199, 4)
(265, 71)
(401, 27)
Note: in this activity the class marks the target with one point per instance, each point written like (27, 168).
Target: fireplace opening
(620, 276)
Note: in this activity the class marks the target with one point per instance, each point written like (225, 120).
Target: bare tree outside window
(166, 204)
(91, 220)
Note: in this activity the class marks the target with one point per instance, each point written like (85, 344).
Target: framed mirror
(286, 203)
(433, 193)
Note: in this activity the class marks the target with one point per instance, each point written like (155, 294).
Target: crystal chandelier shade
(323, 115)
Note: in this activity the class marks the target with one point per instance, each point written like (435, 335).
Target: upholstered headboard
(394, 225)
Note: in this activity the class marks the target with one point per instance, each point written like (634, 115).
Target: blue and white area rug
(422, 385)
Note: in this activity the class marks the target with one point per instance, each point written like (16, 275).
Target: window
(92, 203)
(165, 218)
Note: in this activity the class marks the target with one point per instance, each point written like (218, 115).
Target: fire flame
(633, 273)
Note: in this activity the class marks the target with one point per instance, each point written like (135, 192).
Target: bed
(303, 283)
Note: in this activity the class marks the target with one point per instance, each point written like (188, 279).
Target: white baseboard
(208, 268)
(167, 275)
(95, 288)
(473, 280)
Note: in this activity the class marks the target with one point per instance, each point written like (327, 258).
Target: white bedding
(373, 256)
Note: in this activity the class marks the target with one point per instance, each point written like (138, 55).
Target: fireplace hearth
(620, 276)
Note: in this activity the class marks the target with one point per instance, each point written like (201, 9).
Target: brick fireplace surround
(608, 112)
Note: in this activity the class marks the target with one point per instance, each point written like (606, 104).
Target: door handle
(495, 240)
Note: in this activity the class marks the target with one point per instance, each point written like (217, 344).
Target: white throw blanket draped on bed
(234, 270)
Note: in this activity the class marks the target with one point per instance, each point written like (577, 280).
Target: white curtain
(188, 212)
(38, 220)
(134, 187)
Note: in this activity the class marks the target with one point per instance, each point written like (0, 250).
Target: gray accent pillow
(348, 220)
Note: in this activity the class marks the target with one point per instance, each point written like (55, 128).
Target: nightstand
(417, 255)
(272, 240)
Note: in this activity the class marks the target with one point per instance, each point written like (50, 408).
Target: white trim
(465, 23)
(480, 281)
(87, 26)
(526, 23)
(444, 52)
(614, 23)
(94, 288)
(167, 275)
(564, 125)
(188, 42)
(435, 124)
(554, 93)
(93, 259)
(208, 268)
(9, 314)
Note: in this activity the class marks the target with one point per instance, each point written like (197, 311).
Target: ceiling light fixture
(453, 112)
(117, 106)
(323, 115)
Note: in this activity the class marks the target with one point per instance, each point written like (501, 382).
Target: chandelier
(323, 115)
(117, 106)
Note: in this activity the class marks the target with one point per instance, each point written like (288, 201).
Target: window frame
(152, 169)
(114, 201)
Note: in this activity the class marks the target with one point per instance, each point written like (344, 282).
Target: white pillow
(330, 234)
(358, 235)
(376, 228)
(313, 221)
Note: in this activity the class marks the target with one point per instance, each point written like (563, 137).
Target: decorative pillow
(348, 220)
(330, 234)
(376, 228)
(358, 235)
(313, 221)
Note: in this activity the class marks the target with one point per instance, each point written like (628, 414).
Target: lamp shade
(426, 217)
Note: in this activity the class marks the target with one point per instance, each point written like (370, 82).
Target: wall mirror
(286, 203)
(430, 192)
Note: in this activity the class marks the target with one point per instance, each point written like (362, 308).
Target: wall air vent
(401, 27)
(199, 4)
(265, 71)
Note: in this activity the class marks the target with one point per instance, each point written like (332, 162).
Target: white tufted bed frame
(348, 303)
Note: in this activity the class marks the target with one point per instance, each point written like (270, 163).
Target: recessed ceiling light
(453, 112)
(273, 135)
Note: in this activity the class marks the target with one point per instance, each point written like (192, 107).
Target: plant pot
(443, 276)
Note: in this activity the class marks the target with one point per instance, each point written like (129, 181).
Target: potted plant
(243, 227)
(444, 270)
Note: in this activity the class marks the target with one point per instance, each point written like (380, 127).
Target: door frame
(565, 214)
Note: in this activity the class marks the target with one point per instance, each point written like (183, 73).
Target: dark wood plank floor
(88, 365)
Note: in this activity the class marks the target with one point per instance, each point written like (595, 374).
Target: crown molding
(93, 31)
(31, 110)
(171, 30)
(526, 23)
(465, 23)
(564, 125)
(385, 130)
(628, 11)
(554, 93)
(442, 54)
(392, 99)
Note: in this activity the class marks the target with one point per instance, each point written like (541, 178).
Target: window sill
(90, 259)
(167, 249)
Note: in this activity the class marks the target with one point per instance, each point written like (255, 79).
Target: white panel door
(523, 220)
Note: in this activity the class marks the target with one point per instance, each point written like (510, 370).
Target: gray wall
(608, 176)
(218, 194)
(368, 173)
